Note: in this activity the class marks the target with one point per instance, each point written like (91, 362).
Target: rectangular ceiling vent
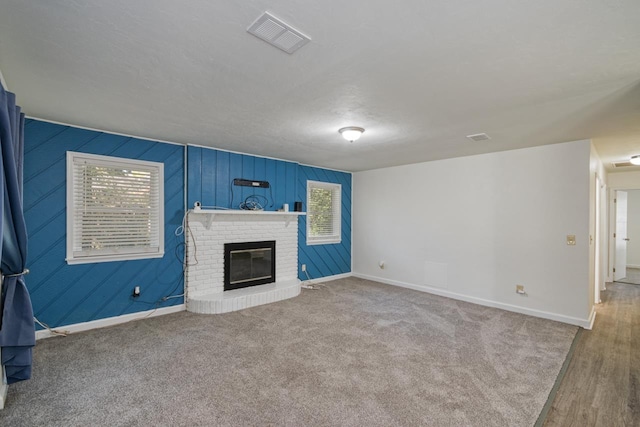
(277, 33)
(479, 137)
(622, 164)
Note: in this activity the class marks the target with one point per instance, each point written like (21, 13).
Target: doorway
(620, 238)
(598, 282)
(625, 234)
(627, 237)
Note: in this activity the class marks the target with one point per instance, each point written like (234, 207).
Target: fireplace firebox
(249, 264)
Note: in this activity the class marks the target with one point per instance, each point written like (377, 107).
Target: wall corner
(3, 81)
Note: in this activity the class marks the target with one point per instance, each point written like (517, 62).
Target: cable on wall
(253, 184)
(309, 284)
(252, 203)
(179, 231)
(51, 331)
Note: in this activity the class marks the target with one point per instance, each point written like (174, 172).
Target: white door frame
(604, 236)
(597, 243)
(612, 224)
(620, 235)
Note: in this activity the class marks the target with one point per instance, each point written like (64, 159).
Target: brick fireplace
(211, 230)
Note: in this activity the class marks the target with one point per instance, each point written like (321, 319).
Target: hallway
(632, 277)
(602, 384)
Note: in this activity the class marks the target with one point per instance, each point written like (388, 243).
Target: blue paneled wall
(211, 173)
(332, 259)
(210, 177)
(64, 294)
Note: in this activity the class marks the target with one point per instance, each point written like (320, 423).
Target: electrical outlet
(304, 267)
(520, 289)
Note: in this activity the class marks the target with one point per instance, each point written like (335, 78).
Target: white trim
(104, 131)
(633, 265)
(585, 323)
(612, 217)
(185, 187)
(185, 144)
(611, 257)
(92, 259)
(74, 187)
(592, 319)
(261, 156)
(351, 224)
(336, 211)
(4, 85)
(327, 278)
(110, 321)
(4, 388)
(324, 167)
(335, 241)
(211, 214)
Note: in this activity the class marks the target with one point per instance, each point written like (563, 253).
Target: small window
(114, 209)
(323, 212)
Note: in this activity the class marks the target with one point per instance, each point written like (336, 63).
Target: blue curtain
(17, 332)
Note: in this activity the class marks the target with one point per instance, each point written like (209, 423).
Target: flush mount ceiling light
(351, 133)
(635, 160)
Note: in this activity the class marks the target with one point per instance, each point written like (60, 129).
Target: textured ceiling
(418, 75)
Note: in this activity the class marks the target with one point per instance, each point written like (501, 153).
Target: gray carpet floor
(353, 353)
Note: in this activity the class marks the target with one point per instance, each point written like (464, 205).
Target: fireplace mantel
(212, 214)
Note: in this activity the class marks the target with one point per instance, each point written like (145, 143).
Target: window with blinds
(114, 208)
(323, 212)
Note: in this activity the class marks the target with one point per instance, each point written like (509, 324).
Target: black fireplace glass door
(249, 264)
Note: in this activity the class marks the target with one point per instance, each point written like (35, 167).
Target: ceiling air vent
(277, 33)
(479, 137)
(622, 164)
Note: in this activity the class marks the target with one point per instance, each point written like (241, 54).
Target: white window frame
(336, 207)
(75, 254)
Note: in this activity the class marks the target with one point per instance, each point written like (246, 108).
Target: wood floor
(602, 384)
(632, 276)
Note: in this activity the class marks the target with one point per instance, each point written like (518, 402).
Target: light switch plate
(571, 239)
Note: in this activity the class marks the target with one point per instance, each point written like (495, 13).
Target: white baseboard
(4, 388)
(633, 265)
(584, 323)
(592, 319)
(110, 321)
(328, 278)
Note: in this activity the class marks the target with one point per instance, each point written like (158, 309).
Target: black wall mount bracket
(251, 183)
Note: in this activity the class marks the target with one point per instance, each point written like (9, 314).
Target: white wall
(624, 180)
(633, 228)
(474, 227)
(4, 83)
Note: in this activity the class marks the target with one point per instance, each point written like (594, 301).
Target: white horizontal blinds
(323, 212)
(116, 208)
